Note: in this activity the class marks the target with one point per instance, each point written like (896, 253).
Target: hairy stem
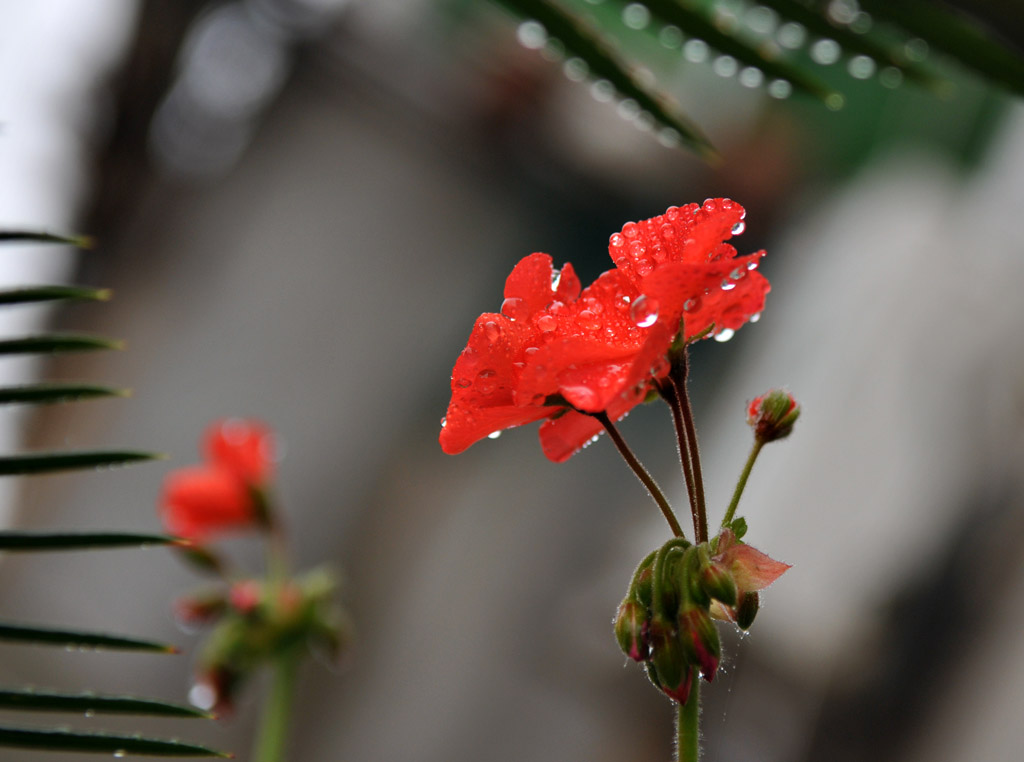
(688, 726)
(742, 483)
(668, 393)
(678, 375)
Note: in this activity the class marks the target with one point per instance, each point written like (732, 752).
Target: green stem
(273, 729)
(667, 391)
(678, 374)
(688, 726)
(641, 472)
(742, 483)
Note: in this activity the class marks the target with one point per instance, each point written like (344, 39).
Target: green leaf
(81, 241)
(47, 393)
(52, 293)
(76, 639)
(696, 24)
(101, 743)
(36, 541)
(30, 699)
(852, 42)
(48, 462)
(738, 527)
(956, 35)
(582, 41)
(57, 342)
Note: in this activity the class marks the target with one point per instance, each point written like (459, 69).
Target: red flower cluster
(558, 353)
(220, 494)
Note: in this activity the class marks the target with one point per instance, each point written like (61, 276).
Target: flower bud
(718, 583)
(772, 415)
(631, 629)
(699, 640)
(668, 666)
(747, 610)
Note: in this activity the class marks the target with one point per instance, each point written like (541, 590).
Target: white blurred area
(326, 196)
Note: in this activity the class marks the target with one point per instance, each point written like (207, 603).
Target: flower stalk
(742, 482)
(688, 727)
(678, 373)
(277, 711)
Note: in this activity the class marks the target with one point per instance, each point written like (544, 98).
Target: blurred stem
(680, 369)
(273, 728)
(688, 726)
(641, 472)
(742, 483)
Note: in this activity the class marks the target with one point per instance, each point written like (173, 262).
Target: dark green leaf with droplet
(101, 743)
(48, 462)
(30, 699)
(21, 633)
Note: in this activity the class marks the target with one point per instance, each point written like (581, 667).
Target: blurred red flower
(599, 350)
(221, 494)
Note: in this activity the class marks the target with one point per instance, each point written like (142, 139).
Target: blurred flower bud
(772, 415)
(245, 596)
(747, 610)
(200, 608)
(631, 629)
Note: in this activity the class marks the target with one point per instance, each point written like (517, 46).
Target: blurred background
(302, 206)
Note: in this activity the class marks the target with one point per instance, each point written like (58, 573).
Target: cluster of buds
(665, 620)
(256, 621)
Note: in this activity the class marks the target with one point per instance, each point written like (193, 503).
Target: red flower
(199, 501)
(599, 350)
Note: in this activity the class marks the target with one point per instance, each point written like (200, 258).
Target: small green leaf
(81, 241)
(30, 699)
(57, 342)
(604, 63)
(47, 393)
(102, 743)
(48, 462)
(52, 293)
(738, 527)
(75, 639)
(36, 541)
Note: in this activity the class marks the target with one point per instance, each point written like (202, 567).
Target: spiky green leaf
(30, 236)
(48, 462)
(22, 633)
(57, 342)
(30, 294)
(33, 700)
(101, 743)
(39, 541)
(47, 393)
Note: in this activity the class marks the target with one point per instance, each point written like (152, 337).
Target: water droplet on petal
(644, 311)
(588, 320)
(486, 381)
(514, 308)
(492, 331)
(444, 422)
(725, 334)
(629, 230)
(739, 227)
(738, 273)
(728, 285)
(545, 323)
(752, 265)
(755, 317)
(532, 35)
(463, 383)
(617, 241)
(556, 278)
(644, 267)
(692, 304)
(494, 434)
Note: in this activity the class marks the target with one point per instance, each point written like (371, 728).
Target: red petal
(244, 447)
(533, 284)
(564, 436)
(203, 500)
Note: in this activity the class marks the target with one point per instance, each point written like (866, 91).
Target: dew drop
(636, 16)
(671, 37)
(532, 35)
(444, 422)
(514, 308)
(602, 91)
(861, 67)
(575, 69)
(644, 267)
(695, 51)
(556, 278)
(644, 311)
(780, 88)
(738, 273)
(751, 77)
(203, 696)
(760, 19)
(492, 331)
(90, 713)
(692, 304)
(890, 77)
(463, 383)
(728, 285)
(628, 109)
(916, 49)
(120, 753)
(752, 265)
(629, 230)
(494, 434)
(825, 52)
(791, 35)
(724, 335)
(725, 66)
(486, 381)
(739, 227)
(545, 323)
(755, 317)
(588, 320)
